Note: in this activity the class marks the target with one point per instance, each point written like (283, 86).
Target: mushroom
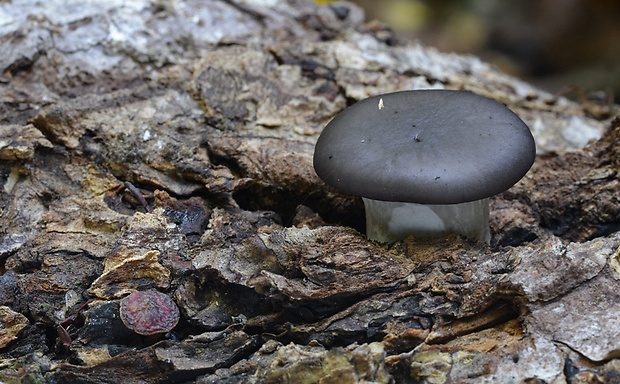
(149, 312)
(425, 162)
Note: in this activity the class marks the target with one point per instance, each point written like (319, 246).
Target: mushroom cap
(149, 312)
(426, 146)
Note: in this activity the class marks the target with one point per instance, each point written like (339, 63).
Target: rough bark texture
(168, 145)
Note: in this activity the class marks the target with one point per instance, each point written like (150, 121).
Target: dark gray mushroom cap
(427, 147)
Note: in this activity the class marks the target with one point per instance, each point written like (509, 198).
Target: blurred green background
(564, 46)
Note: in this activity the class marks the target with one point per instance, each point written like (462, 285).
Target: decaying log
(168, 145)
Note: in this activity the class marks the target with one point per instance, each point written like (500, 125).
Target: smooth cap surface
(427, 147)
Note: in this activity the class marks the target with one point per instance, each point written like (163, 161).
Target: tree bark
(169, 146)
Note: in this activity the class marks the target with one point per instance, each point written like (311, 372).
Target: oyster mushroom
(425, 162)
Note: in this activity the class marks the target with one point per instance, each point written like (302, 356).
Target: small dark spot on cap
(341, 11)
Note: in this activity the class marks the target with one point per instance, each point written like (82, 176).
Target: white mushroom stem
(388, 221)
